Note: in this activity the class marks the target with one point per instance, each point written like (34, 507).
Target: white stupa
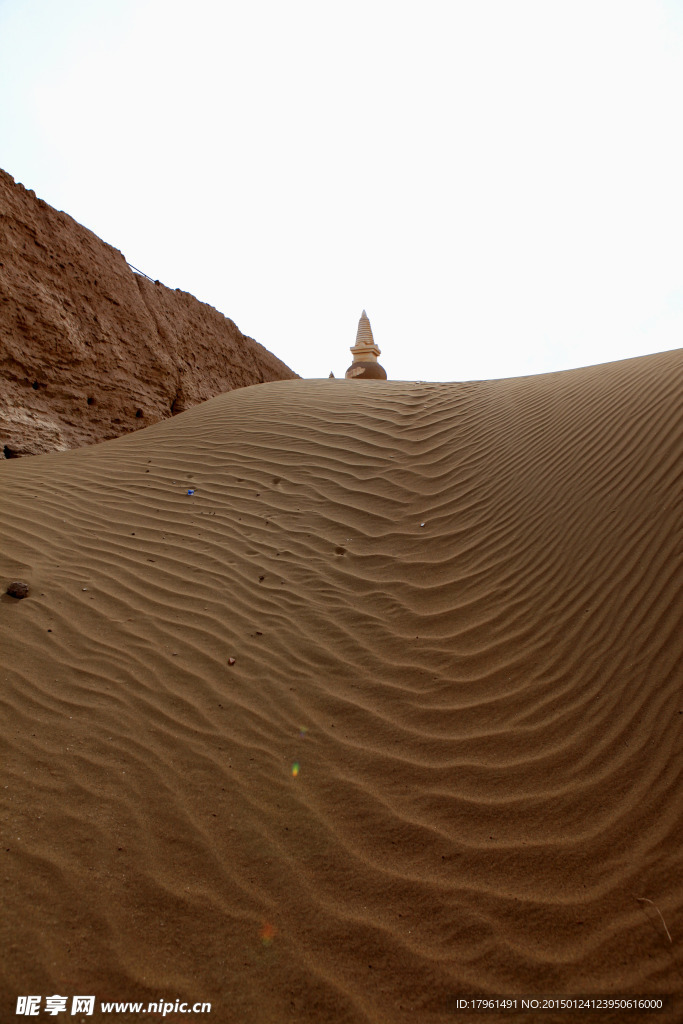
(365, 353)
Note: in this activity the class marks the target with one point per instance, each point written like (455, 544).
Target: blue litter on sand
(191, 491)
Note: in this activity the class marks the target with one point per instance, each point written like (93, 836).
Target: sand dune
(447, 758)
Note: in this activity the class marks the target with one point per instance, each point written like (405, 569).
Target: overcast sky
(499, 183)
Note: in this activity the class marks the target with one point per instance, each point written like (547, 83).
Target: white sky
(498, 182)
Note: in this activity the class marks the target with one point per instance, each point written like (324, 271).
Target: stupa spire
(364, 336)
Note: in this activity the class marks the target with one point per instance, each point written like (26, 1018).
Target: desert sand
(385, 714)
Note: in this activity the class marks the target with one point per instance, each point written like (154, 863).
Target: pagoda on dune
(365, 353)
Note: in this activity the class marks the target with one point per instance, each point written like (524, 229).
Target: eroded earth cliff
(89, 349)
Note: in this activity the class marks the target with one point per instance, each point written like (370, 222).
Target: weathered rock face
(90, 350)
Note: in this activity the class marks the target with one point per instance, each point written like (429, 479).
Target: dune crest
(386, 712)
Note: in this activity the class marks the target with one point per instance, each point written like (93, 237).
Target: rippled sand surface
(447, 759)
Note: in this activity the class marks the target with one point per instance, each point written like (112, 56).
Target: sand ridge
(447, 757)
